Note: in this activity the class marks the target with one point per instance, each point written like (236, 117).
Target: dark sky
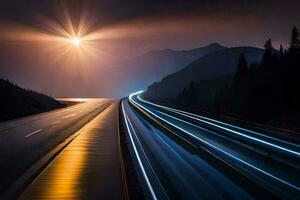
(115, 10)
(283, 13)
(133, 27)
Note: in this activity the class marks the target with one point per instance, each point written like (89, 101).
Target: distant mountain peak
(215, 46)
(154, 65)
(218, 63)
(212, 45)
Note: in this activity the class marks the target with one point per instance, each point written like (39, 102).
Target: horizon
(149, 99)
(35, 52)
(135, 57)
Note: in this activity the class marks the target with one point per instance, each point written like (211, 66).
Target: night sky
(131, 28)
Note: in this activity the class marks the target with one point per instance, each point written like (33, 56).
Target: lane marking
(50, 114)
(31, 134)
(227, 129)
(144, 153)
(138, 157)
(221, 150)
(68, 116)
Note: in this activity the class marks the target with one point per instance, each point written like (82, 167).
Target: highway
(89, 167)
(183, 155)
(26, 140)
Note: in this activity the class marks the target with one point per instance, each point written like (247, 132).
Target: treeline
(266, 91)
(17, 102)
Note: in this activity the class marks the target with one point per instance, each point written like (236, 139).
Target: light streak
(214, 147)
(137, 154)
(190, 115)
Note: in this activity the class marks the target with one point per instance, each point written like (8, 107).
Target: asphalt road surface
(26, 140)
(88, 168)
(182, 155)
(177, 155)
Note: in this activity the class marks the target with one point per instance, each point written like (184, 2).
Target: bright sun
(76, 41)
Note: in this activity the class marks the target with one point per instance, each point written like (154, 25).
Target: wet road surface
(88, 168)
(26, 140)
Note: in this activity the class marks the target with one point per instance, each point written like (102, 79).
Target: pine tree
(281, 52)
(241, 76)
(294, 42)
(267, 58)
(268, 45)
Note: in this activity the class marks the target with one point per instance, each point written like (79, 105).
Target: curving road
(183, 155)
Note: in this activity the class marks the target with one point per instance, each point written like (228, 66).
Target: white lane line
(31, 134)
(68, 116)
(219, 149)
(230, 130)
(137, 156)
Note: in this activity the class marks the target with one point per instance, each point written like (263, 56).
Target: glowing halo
(67, 41)
(76, 41)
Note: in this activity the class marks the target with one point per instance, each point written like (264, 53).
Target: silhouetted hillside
(213, 65)
(177, 59)
(265, 92)
(18, 102)
(201, 94)
(154, 65)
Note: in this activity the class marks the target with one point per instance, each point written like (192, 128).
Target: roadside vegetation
(18, 102)
(266, 92)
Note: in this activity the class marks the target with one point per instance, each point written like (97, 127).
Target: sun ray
(63, 41)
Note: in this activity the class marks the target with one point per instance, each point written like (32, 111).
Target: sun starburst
(76, 41)
(65, 41)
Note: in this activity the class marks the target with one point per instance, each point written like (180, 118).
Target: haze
(33, 53)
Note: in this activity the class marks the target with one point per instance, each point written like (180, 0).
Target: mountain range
(213, 65)
(152, 66)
